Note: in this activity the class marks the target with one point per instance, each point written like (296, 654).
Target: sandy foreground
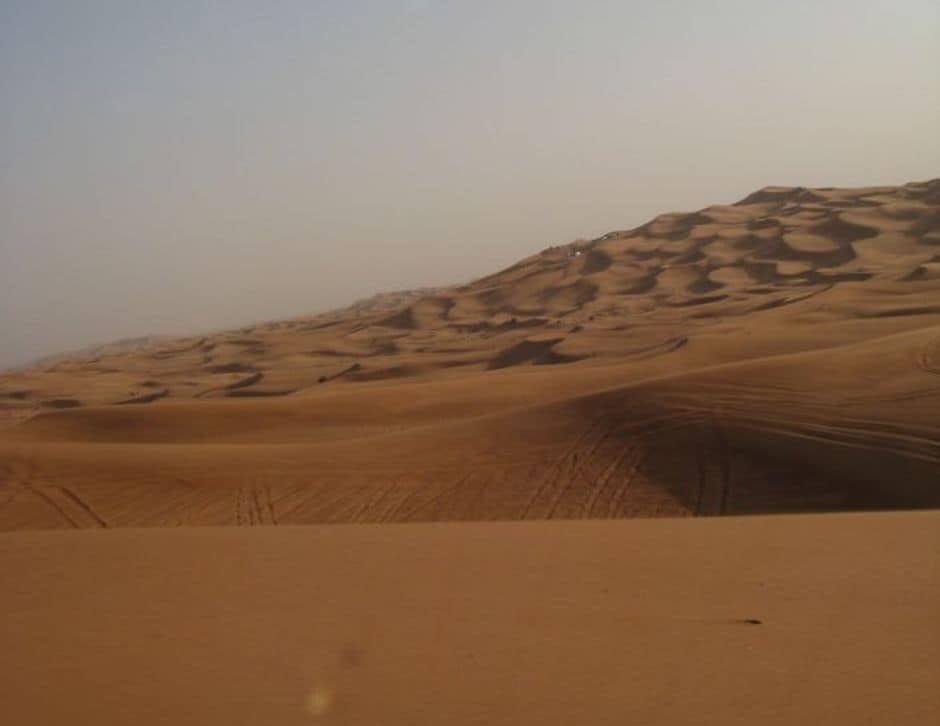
(809, 619)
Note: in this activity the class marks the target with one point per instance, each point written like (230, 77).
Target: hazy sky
(176, 167)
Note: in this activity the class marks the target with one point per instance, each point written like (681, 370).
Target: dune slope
(779, 354)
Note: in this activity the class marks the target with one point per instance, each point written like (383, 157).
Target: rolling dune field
(781, 354)
(776, 356)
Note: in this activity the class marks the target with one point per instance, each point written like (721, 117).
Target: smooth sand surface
(781, 354)
(630, 622)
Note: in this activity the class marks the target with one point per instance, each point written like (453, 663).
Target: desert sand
(780, 354)
(822, 619)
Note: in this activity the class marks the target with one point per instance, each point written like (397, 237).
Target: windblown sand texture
(780, 354)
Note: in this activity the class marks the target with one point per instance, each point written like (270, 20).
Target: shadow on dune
(538, 352)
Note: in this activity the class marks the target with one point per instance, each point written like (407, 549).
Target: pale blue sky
(175, 167)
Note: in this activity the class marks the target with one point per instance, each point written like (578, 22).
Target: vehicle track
(556, 470)
(40, 493)
(84, 506)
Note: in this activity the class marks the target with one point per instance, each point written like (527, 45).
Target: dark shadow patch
(149, 398)
(259, 394)
(596, 261)
(237, 385)
(699, 301)
(354, 368)
(172, 353)
(62, 403)
(552, 357)
(539, 352)
(645, 255)
(902, 312)
(763, 223)
(791, 210)
(739, 467)
(387, 347)
(816, 277)
(575, 296)
(781, 302)
(447, 305)
(932, 195)
(838, 230)
(326, 353)
(691, 256)
(231, 368)
(704, 285)
(778, 249)
(484, 326)
(643, 284)
(928, 223)
(245, 382)
(763, 273)
(905, 214)
(668, 346)
(402, 320)
(674, 227)
(382, 374)
(748, 243)
(765, 195)
(306, 327)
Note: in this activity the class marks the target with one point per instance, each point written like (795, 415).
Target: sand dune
(775, 355)
(778, 355)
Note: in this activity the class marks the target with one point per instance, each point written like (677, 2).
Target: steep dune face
(779, 354)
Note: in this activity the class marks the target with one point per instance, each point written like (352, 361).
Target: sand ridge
(777, 354)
